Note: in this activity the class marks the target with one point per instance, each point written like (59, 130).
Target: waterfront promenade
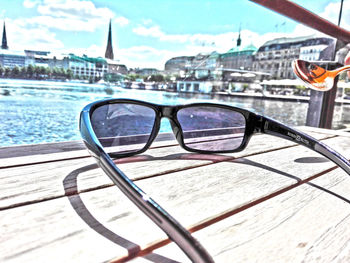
(260, 96)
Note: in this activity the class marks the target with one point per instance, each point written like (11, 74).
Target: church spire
(239, 40)
(109, 49)
(4, 39)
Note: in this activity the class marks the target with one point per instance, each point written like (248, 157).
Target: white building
(312, 53)
(87, 66)
(195, 86)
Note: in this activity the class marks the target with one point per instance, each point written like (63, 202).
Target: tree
(7, 72)
(1, 71)
(55, 72)
(133, 77)
(62, 73)
(42, 71)
(48, 72)
(167, 78)
(30, 71)
(155, 78)
(69, 74)
(23, 72)
(15, 71)
(37, 71)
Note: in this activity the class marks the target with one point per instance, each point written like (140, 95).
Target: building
(87, 66)
(109, 49)
(313, 52)
(11, 59)
(8, 58)
(82, 66)
(214, 66)
(177, 64)
(147, 71)
(238, 58)
(213, 60)
(276, 56)
(114, 67)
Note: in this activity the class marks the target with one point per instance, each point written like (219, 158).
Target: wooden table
(274, 202)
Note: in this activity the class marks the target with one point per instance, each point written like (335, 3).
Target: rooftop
(285, 40)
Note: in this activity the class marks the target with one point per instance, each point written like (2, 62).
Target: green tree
(23, 72)
(55, 73)
(48, 72)
(167, 78)
(69, 74)
(37, 71)
(15, 72)
(42, 71)
(30, 71)
(7, 72)
(133, 77)
(62, 73)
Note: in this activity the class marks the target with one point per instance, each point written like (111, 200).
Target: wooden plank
(307, 224)
(57, 147)
(34, 183)
(105, 221)
(43, 153)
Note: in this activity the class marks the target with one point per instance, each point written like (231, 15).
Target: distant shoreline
(260, 96)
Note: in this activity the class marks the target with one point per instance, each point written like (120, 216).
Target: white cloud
(331, 13)
(92, 51)
(30, 3)
(70, 15)
(37, 32)
(146, 56)
(207, 42)
(74, 8)
(153, 31)
(122, 21)
(147, 21)
(19, 37)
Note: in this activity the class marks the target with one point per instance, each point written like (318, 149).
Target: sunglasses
(116, 128)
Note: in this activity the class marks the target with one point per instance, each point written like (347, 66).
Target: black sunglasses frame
(255, 123)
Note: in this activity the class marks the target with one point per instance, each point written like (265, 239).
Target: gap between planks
(125, 160)
(211, 221)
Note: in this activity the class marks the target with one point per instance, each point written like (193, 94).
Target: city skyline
(145, 36)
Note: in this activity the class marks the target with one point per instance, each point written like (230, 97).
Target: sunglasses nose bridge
(169, 112)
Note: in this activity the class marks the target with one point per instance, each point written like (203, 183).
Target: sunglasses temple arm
(278, 129)
(175, 231)
(191, 247)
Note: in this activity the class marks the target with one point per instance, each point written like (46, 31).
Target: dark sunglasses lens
(123, 127)
(210, 128)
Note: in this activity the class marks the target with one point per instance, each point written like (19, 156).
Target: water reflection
(43, 111)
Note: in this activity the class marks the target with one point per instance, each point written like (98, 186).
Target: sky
(146, 33)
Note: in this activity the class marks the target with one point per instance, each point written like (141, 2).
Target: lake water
(44, 111)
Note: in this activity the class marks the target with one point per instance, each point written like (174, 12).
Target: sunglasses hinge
(259, 124)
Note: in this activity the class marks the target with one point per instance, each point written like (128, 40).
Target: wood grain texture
(306, 224)
(25, 184)
(67, 211)
(43, 153)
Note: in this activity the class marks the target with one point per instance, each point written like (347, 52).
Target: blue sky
(148, 32)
